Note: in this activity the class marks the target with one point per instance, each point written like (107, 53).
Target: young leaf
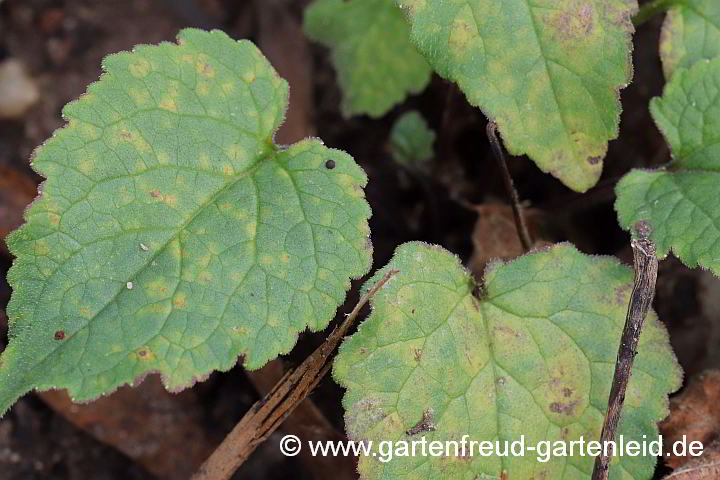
(682, 202)
(377, 66)
(534, 357)
(411, 140)
(548, 73)
(691, 32)
(172, 236)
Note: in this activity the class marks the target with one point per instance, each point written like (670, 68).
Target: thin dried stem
(267, 414)
(499, 155)
(646, 266)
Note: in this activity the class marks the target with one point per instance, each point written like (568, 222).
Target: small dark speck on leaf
(594, 160)
(155, 194)
(60, 335)
(330, 164)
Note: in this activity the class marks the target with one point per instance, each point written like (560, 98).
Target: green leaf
(682, 202)
(691, 32)
(411, 140)
(534, 357)
(377, 66)
(548, 73)
(172, 236)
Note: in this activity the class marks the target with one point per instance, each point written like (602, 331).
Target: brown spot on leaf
(506, 331)
(426, 424)
(564, 408)
(574, 22)
(418, 354)
(594, 160)
(155, 194)
(59, 335)
(621, 294)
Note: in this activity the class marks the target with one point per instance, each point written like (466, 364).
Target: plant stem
(646, 266)
(509, 186)
(267, 414)
(652, 8)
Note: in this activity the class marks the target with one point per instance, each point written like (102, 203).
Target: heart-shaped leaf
(172, 236)
(533, 357)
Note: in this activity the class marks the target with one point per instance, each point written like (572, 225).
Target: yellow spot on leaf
(157, 288)
(249, 77)
(41, 248)
(170, 200)
(140, 97)
(204, 161)
(237, 152)
(460, 36)
(202, 89)
(144, 354)
(86, 166)
(140, 68)
(168, 103)
(179, 300)
(163, 158)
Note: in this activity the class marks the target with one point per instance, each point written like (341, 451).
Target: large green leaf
(691, 32)
(377, 66)
(682, 202)
(172, 236)
(534, 357)
(547, 72)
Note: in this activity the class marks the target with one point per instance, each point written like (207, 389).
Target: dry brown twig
(267, 414)
(499, 155)
(646, 266)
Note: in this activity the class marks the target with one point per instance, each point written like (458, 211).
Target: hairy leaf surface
(377, 65)
(534, 357)
(691, 32)
(172, 236)
(682, 201)
(547, 72)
